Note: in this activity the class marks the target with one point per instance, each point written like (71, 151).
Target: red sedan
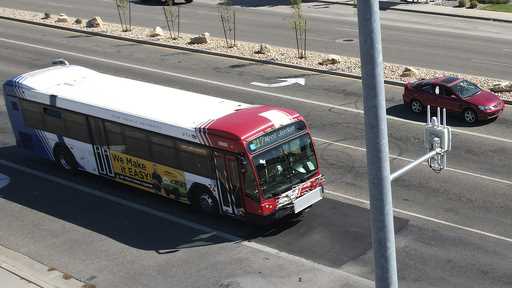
(454, 94)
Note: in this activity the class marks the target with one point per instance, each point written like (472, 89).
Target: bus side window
(250, 184)
(32, 114)
(114, 136)
(53, 121)
(76, 126)
(195, 159)
(163, 150)
(136, 142)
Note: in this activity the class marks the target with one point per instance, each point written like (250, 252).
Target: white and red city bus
(225, 157)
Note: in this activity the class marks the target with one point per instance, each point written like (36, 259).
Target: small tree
(299, 25)
(124, 10)
(172, 18)
(228, 21)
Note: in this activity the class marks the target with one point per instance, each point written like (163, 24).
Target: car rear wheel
(416, 106)
(469, 116)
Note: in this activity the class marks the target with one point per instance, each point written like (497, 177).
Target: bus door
(101, 153)
(228, 183)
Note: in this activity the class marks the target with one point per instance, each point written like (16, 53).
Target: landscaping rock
(200, 39)
(62, 18)
(501, 87)
(156, 32)
(79, 21)
(47, 15)
(263, 49)
(409, 72)
(330, 60)
(95, 22)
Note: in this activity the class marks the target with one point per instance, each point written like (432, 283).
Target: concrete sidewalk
(19, 271)
(438, 7)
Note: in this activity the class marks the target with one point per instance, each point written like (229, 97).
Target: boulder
(62, 18)
(409, 72)
(47, 15)
(79, 21)
(330, 60)
(95, 22)
(502, 87)
(156, 32)
(200, 39)
(263, 49)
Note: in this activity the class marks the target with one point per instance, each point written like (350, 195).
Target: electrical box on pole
(438, 141)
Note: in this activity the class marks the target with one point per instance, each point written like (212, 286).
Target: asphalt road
(439, 42)
(454, 228)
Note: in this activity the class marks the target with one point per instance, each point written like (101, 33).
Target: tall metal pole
(379, 183)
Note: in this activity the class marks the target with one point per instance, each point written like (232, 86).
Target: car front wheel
(470, 116)
(416, 106)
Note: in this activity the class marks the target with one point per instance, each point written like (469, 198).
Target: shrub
(473, 4)
(463, 3)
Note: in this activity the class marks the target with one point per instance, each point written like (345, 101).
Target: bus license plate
(307, 200)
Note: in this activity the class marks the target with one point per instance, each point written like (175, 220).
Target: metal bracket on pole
(438, 141)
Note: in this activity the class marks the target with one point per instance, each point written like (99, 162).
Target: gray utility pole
(376, 131)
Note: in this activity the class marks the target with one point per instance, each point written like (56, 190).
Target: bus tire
(64, 158)
(203, 199)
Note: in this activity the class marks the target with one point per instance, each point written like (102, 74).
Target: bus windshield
(285, 165)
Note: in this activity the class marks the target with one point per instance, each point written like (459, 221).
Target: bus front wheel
(64, 158)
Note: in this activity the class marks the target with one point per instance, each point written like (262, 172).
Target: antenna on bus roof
(60, 61)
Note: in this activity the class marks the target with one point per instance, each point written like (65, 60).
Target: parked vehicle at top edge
(454, 94)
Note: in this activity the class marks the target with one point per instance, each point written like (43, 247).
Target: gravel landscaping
(246, 49)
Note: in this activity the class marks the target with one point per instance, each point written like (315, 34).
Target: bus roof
(149, 106)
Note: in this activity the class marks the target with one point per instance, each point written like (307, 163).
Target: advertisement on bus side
(150, 176)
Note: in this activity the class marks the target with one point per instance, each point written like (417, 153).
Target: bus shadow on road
(132, 217)
(452, 119)
(330, 233)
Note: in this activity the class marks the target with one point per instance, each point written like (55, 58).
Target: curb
(212, 53)
(405, 9)
(35, 272)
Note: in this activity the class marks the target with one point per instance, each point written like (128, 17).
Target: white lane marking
(286, 82)
(179, 75)
(476, 231)
(4, 180)
(425, 163)
(208, 231)
(219, 233)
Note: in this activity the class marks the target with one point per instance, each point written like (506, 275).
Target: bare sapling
(172, 19)
(227, 17)
(124, 11)
(299, 26)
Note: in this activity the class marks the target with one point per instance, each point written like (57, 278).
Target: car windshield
(465, 89)
(288, 164)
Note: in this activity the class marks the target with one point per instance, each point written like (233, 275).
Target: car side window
(428, 88)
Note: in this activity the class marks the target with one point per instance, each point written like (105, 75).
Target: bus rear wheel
(65, 158)
(206, 202)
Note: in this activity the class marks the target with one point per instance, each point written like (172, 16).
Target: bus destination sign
(275, 136)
